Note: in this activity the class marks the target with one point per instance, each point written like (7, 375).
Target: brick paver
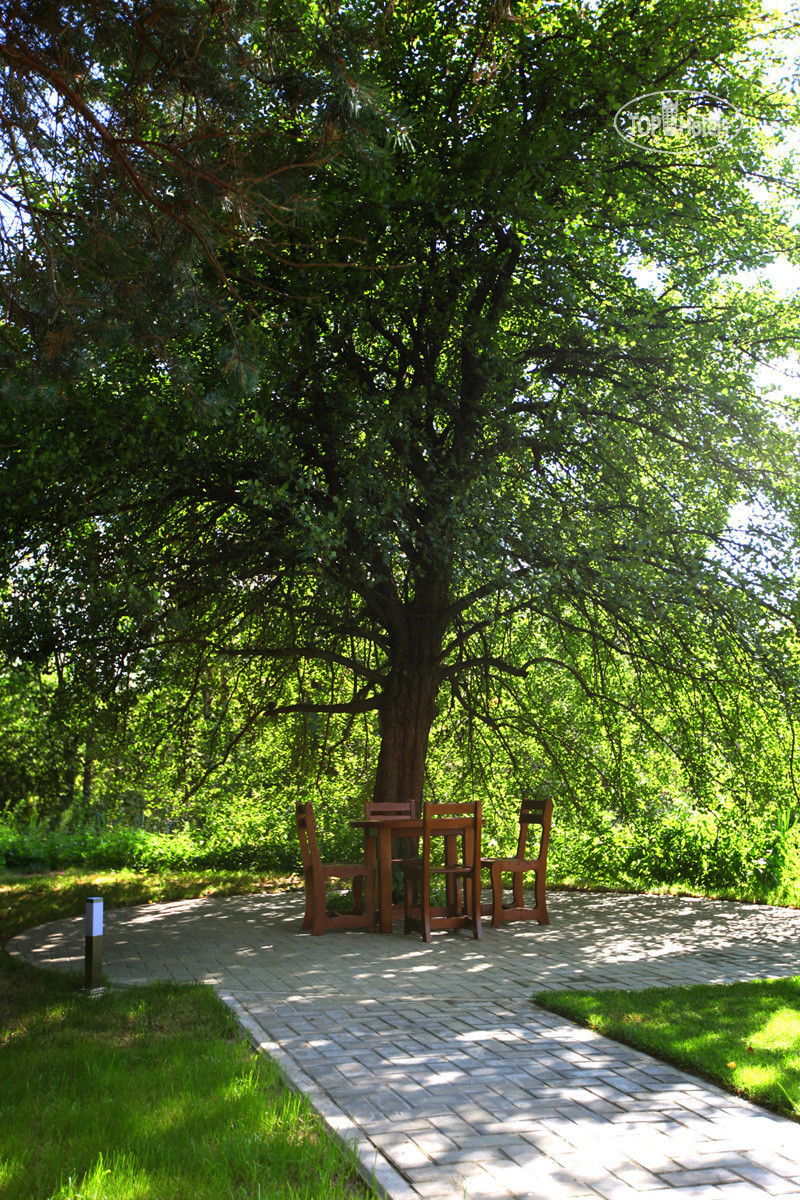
(433, 1063)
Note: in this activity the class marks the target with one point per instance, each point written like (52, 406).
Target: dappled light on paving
(433, 1061)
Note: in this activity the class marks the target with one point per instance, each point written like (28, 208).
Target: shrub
(713, 851)
(35, 849)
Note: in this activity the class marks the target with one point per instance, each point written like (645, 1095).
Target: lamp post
(92, 982)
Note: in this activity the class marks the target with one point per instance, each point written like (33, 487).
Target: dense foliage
(139, 139)
(426, 487)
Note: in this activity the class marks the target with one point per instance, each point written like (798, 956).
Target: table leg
(385, 877)
(452, 886)
(470, 899)
(371, 860)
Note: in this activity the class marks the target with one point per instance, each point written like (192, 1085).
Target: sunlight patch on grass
(153, 1092)
(782, 1031)
(117, 1179)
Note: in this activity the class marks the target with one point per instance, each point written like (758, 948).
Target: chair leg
(473, 898)
(519, 899)
(409, 900)
(453, 896)
(497, 896)
(425, 913)
(417, 898)
(308, 918)
(320, 897)
(541, 904)
(358, 894)
(369, 900)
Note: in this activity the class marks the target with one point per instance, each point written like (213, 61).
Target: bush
(719, 851)
(35, 849)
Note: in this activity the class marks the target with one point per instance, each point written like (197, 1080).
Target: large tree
(515, 378)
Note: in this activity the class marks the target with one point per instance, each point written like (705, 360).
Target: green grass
(743, 1036)
(147, 1093)
(27, 900)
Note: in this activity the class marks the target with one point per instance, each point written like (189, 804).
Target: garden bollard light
(94, 944)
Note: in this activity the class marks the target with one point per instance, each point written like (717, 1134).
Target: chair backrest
(534, 812)
(389, 808)
(438, 819)
(307, 833)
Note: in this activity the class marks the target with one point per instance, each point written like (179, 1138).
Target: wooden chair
(462, 879)
(389, 808)
(392, 808)
(317, 916)
(534, 814)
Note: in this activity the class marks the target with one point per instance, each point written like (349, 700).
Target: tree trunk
(408, 706)
(88, 776)
(407, 710)
(71, 761)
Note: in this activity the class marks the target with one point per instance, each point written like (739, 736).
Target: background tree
(483, 413)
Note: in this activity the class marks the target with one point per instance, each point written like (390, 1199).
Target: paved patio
(434, 1064)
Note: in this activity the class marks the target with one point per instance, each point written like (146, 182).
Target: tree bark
(408, 704)
(407, 710)
(88, 776)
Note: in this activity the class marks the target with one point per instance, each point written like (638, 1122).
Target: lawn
(743, 1036)
(146, 1093)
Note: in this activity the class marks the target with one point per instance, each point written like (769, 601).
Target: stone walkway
(434, 1064)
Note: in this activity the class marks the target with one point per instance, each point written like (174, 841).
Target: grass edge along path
(744, 1037)
(144, 1091)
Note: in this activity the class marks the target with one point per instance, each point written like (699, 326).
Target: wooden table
(378, 834)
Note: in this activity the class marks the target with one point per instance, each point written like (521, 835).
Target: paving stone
(483, 1184)
(707, 1175)
(433, 1189)
(636, 1177)
(746, 1191)
(772, 1183)
(771, 1159)
(462, 1157)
